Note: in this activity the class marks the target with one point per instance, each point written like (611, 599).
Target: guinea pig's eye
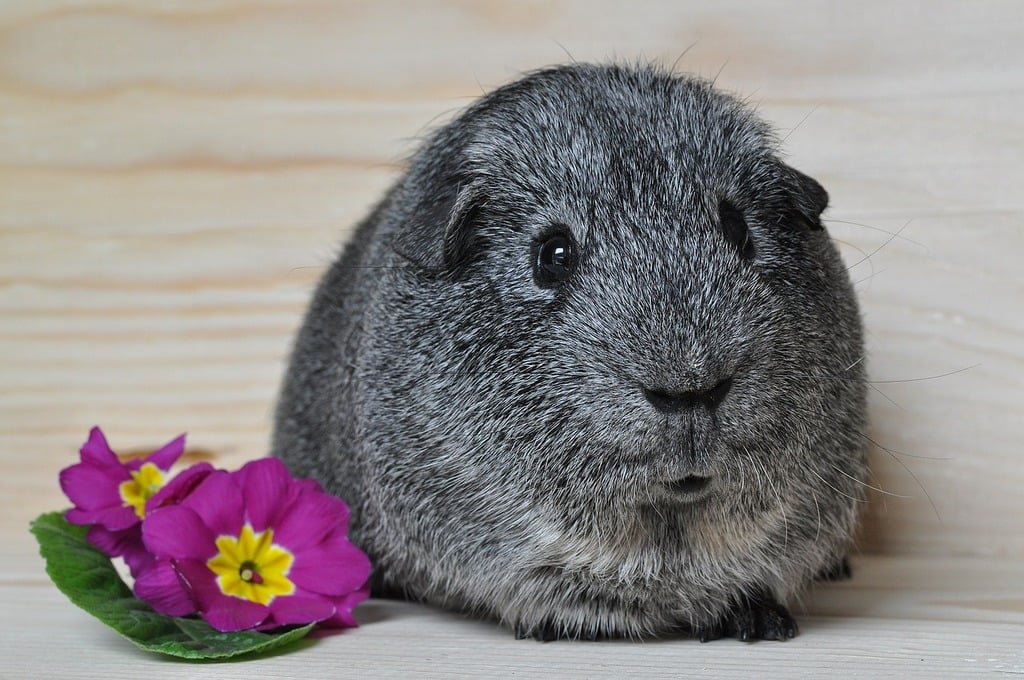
(735, 228)
(555, 259)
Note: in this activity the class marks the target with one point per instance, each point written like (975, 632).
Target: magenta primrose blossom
(112, 496)
(254, 548)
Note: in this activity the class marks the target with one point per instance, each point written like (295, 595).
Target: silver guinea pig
(592, 367)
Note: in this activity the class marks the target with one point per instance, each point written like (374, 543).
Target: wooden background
(174, 176)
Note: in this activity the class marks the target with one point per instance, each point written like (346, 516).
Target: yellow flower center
(145, 482)
(252, 567)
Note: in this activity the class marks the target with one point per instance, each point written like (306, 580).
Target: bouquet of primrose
(221, 563)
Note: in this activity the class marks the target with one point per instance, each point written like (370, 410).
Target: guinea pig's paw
(547, 631)
(840, 571)
(757, 617)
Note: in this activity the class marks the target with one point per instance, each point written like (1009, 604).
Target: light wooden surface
(900, 614)
(174, 176)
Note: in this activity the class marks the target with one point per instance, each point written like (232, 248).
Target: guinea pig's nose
(672, 402)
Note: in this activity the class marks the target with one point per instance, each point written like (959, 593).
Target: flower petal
(309, 485)
(91, 487)
(180, 486)
(159, 585)
(113, 518)
(167, 455)
(300, 608)
(95, 451)
(265, 486)
(197, 580)
(218, 502)
(81, 517)
(310, 518)
(343, 607)
(228, 613)
(118, 518)
(333, 567)
(126, 543)
(177, 532)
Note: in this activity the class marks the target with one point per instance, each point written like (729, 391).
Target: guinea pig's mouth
(689, 487)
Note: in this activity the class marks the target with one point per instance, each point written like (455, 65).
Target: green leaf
(86, 575)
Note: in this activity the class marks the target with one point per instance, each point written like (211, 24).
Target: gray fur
(492, 435)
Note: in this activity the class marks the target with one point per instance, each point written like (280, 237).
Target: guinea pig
(591, 368)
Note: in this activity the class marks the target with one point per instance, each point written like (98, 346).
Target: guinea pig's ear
(807, 199)
(437, 234)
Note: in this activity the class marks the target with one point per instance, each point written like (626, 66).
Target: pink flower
(112, 496)
(254, 549)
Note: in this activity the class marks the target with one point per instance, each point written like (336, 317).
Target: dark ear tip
(811, 190)
(810, 197)
(817, 192)
(435, 233)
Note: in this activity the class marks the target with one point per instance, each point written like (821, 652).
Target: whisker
(854, 246)
(865, 257)
(910, 472)
(916, 456)
(884, 231)
(826, 483)
(866, 485)
(890, 381)
(929, 377)
(782, 506)
(886, 397)
(870, 276)
(876, 250)
(802, 121)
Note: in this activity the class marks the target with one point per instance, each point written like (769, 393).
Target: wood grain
(899, 613)
(175, 176)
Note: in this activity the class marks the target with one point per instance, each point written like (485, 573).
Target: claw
(542, 633)
(757, 617)
(548, 631)
(840, 571)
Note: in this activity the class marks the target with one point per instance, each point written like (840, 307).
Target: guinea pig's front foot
(547, 631)
(754, 617)
(840, 571)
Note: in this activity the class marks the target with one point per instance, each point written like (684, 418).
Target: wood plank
(883, 621)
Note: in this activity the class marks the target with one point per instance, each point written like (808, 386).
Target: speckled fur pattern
(492, 435)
